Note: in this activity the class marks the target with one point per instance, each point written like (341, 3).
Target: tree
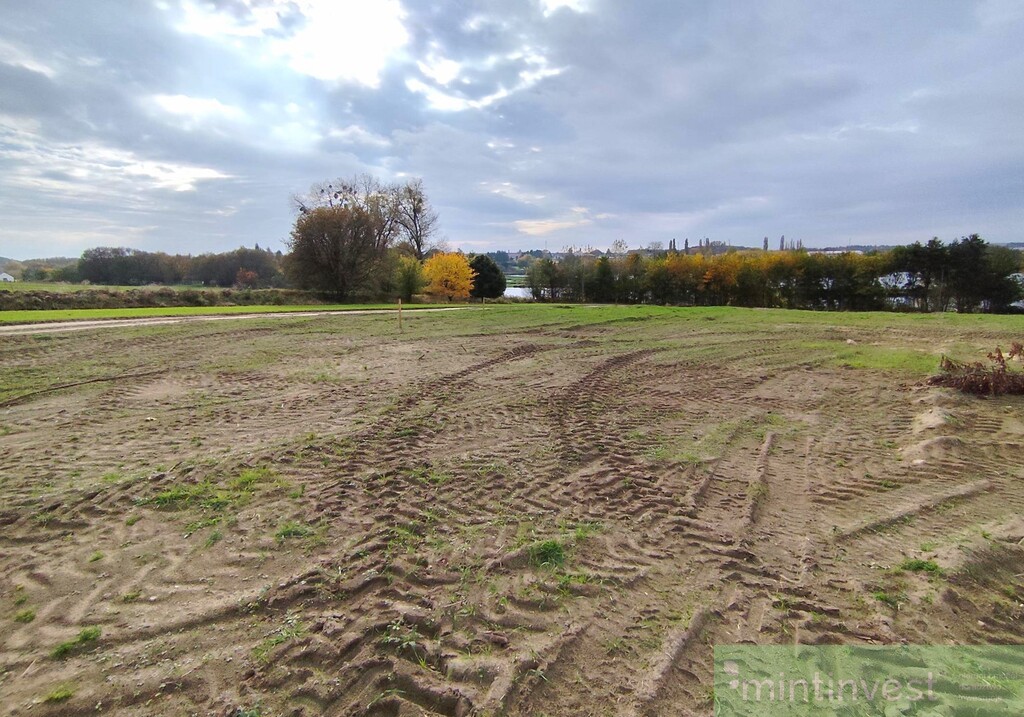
(489, 282)
(365, 192)
(415, 216)
(335, 248)
(246, 279)
(448, 275)
(604, 281)
(409, 278)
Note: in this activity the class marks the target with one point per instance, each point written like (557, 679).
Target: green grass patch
(549, 553)
(292, 529)
(60, 694)
(895, 600)
(25, 616)
(916, 565)
(80, 643)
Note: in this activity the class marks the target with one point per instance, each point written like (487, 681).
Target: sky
(185, 126)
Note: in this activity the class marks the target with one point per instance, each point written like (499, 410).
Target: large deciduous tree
(449, 275)
(335, 248)
(489, 282)
(415, 216)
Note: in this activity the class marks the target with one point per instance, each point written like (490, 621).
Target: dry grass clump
(992, 379)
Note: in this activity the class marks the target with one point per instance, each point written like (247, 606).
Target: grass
(292, 629)
(46, 315)
(60, 694)
(549, 553)
(895, 600)
(80, 643)
(916, 565)
(25, 616)
(292, 529)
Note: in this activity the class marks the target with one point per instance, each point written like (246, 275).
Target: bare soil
(521, 511)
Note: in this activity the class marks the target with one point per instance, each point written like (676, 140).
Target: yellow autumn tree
(449, 275)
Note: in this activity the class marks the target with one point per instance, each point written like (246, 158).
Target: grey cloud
(667, 119)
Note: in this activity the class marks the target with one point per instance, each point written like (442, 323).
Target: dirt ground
(519, 510)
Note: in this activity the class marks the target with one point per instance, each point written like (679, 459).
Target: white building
(6, 277)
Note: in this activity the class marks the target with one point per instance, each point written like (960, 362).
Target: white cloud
(91, 170)
(511, 191)
(551, 6)
(197, 110)
(537, 69)
(337, 40)
(11, 55)
(440, 69)
(354, 134)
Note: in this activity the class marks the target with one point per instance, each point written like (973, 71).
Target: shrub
(984, 380)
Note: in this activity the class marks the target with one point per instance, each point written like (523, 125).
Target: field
(25, 317)
(524, 510)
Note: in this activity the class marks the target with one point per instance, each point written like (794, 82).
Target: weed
(886, 484)
(292, 529)
(132, 520)
(27, 615)
(213, 538)
(291, 630)
(992, 380)
(616, 646)
(97, 556)
(928, 546)
(757, 491)
(60, 694)
(385, 695)
(401, 636)
(916, 565)
(78, 644)
(131, 596)
(45, 517)
(198, 525)
(248, 478)
(549, 553)
(893, 600)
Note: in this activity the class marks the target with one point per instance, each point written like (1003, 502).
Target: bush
(994, 379)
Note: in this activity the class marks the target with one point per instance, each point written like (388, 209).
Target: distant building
(6, 277)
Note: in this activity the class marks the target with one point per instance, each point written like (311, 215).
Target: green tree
(604, 281)
(335, 249)
(489, 282)
(409, 279)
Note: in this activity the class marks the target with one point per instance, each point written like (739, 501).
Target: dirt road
(87, 324)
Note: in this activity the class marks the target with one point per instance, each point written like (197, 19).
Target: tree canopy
(489, 282)
(448, 274)
(335, 248)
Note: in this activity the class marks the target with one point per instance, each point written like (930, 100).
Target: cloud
(185, 125)
(330, 40)
(80, 171)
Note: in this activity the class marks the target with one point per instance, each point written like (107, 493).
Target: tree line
(966, 275)
(360, 238)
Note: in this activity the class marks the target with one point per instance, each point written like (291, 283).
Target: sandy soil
(319, 517)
